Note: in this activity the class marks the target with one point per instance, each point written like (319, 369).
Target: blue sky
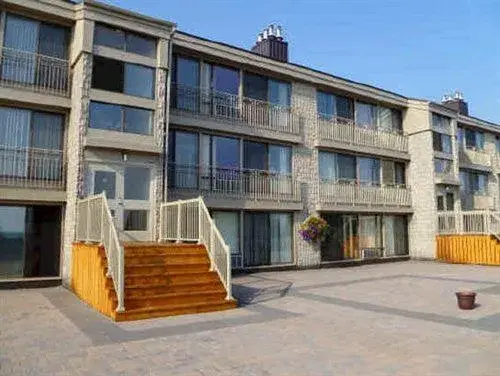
(419, 48)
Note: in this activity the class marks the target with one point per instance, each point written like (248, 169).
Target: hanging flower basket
(313, 229)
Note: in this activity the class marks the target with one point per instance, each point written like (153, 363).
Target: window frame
(123, 109)
(126, 34)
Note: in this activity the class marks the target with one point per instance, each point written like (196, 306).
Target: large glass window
(325, 105)
(225, 80)
(473, 182)
(327, 166)
(366, 115)
(443, 166)
(369, 171)
(393, 173)
(441, 121)
(346, 167)
(117, 76)
(474, 139)
(441, 142)
(127, 41)
(23, 39)
(136, 183)
(255, 86)
(120, 118)
(139, 80)
(389, 119)
(279, 93)
(183, 159)
(30, 239)
(105, 181)
(228, 224)
(267, 238)
(30, 143)
(395, 235)
(280, 159)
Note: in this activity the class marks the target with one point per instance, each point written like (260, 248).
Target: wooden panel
(468, 249)
(88, 278)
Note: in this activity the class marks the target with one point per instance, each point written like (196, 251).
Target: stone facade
(305, 169)
(82, 77)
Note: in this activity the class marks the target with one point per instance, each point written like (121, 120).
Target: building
(95, 99)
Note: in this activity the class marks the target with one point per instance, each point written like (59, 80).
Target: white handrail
(94, 223)
(190, 221)
(484, 222)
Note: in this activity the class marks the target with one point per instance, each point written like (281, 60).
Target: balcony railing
(345, 131)
(40, 73)
(484, 222)
(352, 193)
(32, 168)
(475, 157)
(234, 183)
(233, 108)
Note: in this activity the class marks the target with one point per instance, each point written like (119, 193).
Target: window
(183, 159)
(440, 121)
(441, 142)
(393, 173)
(369, 171)
(268, 90)
(390, 120)
(105, 181)
(395, 235)
(126, 41)
(135, 220)
(366, 115)
(117, 76)
(136, 183)
(228, 224)
(33, 37)
(443, 166)
(330, 106)
(30, 143)
(120, 118)
(474, 139)
(473, 182)
(267, 238)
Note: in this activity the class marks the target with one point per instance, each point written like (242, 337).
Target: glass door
(128, 190)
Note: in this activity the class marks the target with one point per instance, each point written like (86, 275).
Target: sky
(417, 48)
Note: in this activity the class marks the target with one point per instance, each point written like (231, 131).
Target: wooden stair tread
(175, 294)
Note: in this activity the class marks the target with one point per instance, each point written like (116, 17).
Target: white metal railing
(94, 223)
(345, 131)
(233, 108)
(351, 193)
(234, 183)
(190, 221)
(484, 222)
(475, 157)
(34, 71)
(32, 168)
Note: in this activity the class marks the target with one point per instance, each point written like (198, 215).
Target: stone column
(305, 169)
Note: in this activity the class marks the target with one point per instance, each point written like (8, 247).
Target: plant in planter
(314, 229)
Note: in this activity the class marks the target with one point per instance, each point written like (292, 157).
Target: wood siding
(468, 249)
(88, 278)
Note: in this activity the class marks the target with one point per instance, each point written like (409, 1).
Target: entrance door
(128, 190)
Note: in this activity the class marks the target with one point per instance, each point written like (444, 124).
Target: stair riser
(144, 270)
(153, 290)
(187, 299)
(173, 312)
(163, 251)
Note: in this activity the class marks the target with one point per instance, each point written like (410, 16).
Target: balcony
(32, 168)
(220, 186)
(344, 194)
(35, 72)
(468, 157)
(232, 113)
(342, 132)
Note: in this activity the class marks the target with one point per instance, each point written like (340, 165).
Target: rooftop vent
(270, 43)
(456, 102)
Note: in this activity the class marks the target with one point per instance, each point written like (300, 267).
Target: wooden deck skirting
(88, 278)
(468, 249)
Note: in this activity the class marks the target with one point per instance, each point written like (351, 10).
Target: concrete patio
(387, 319)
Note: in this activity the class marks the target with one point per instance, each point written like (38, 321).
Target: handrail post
(229, 295)
(211, 250)
(199, 219)
(121, 279)
(178, 240)
(102, 215)
(160, 232)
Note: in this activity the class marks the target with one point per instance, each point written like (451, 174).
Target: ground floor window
(265, 238)
(30, 241)
(357, 236)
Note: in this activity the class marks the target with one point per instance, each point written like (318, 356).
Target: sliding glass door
(228, 224)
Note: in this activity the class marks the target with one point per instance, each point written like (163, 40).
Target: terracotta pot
(466, 299)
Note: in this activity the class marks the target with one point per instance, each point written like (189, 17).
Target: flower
(313, 229)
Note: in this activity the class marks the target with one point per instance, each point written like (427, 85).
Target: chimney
(270, 43)
(456, 102)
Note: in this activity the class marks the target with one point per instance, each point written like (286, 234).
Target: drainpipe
(167, 116)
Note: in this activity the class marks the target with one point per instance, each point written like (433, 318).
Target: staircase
(134, 281)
